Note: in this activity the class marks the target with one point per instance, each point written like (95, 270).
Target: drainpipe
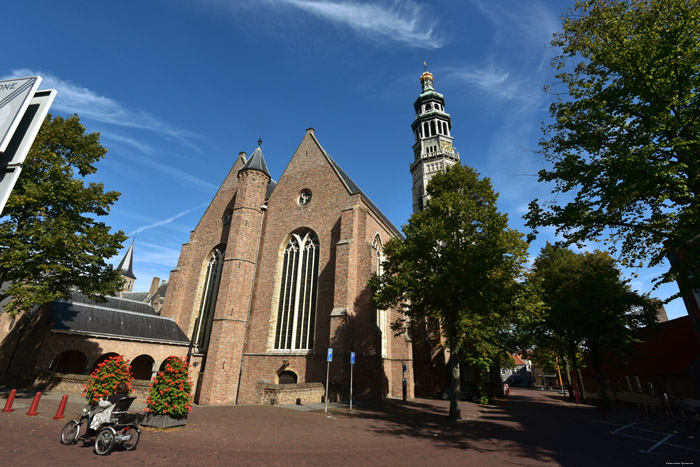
(263, 208)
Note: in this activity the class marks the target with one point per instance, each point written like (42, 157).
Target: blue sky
(178, 88)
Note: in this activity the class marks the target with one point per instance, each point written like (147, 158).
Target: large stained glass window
(296, 314)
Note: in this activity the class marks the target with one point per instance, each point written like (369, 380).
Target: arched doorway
(287, 377)
(142, 367)
(71, 362)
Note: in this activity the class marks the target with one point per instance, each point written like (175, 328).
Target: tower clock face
(446, 146)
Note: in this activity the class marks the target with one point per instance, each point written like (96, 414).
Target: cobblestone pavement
(529, 428)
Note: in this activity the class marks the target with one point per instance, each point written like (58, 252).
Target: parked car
(467, 392)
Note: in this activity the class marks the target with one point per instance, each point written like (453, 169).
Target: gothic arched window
(296, 314)
(210, 290)
(378, 251)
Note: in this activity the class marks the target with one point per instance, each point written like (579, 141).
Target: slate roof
(354, 189)
(135, 296)
(270, 189)
(256, 162)
(118, 318)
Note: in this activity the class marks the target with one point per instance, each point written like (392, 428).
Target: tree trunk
(577, 376)
(604, 401)
(495, 376)
(453, 363)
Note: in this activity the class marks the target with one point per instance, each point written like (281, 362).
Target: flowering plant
(104, 380)
(171, 389)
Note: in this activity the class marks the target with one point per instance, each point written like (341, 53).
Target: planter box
(162, 421)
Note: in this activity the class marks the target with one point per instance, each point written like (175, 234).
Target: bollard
(35, 403)
(61, 408)
(10, 400)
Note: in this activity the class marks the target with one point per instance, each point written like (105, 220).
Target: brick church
(273, 275)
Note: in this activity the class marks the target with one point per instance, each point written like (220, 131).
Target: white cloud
(402, 21)
(142, 147)
(88, 104)
(191, 180)
(489, 80)
(165, 221)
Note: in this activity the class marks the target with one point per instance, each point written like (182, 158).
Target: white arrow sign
(15, 95)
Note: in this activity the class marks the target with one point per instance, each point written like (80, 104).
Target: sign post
(329, 359)
(22, 111)
(15, 95)
(352, 365)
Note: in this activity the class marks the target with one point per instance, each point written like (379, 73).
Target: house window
(296, 313)
(210, 290)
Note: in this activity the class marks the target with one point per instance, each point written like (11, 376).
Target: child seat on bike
(119, 414)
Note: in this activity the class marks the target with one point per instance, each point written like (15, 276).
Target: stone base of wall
(285, 394)
(73, 384)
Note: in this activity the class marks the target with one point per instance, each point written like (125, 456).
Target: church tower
(433, 150)
(221, 367)
(126, 268)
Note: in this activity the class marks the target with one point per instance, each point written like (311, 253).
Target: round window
(304, 197)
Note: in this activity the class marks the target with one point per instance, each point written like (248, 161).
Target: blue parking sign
(330, 354)
(352, 358)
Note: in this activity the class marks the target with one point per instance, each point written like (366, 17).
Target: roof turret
(256, 161)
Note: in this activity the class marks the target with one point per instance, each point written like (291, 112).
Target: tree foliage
(624, 139)
(50, 238)
(588, 306)
(456, 266)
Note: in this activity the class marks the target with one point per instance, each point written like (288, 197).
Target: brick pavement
(529, 428)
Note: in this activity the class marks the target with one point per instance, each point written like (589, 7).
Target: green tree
(588, 306)
(456, 266)
(624, 139)
(50, 240)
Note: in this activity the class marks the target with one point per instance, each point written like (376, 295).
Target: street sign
(15, 96)
(11, 160)
(330, 355)
(352, 358)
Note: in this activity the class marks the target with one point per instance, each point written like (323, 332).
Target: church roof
(354, 189)
(135, 296)
(116, 318)
(127, 263)
(256, 162)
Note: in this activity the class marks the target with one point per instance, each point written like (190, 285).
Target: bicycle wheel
(135, 434)
(70, 432)
(104, 443)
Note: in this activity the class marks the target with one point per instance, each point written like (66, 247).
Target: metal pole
(328, 369)
(351, 366)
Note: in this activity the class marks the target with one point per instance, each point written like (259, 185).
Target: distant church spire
(433, 150)
(126, 267)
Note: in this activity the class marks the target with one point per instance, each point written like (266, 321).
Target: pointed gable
(224, 194)
(351, 186)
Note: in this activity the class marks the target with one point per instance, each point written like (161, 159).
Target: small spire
(126, 266)
(425, 65)
(256, 161)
